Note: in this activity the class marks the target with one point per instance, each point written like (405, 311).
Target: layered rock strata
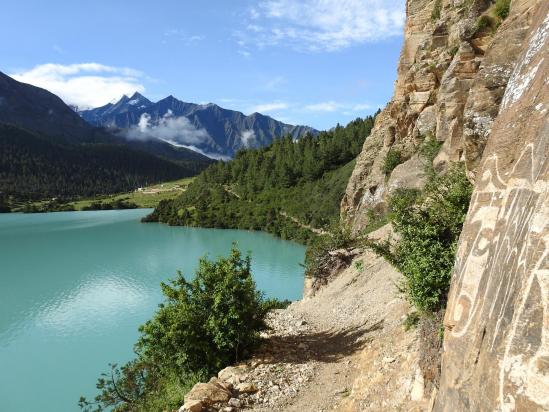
(496, 347)
(452, 74)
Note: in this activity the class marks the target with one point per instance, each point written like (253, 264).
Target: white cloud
(215, 156)
(254, 28)
(323, 107)
(244, 53)
(175, 130)
(323, 25)
(247, 138)
(85, 84)
(268, 107)
(254, 14)
(363, 106)
(348, 109)
(282, 108)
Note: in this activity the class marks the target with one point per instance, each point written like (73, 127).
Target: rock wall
(496, 347)
(452, 75)
(483, 92)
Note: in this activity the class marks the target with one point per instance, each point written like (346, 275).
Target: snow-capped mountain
(208, 128)
(48, 150)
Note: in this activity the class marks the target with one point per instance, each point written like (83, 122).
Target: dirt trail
(303, 225)
(343, 349)
(284, 214)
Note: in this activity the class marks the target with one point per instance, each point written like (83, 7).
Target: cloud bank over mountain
(169, 128)
(85, 85)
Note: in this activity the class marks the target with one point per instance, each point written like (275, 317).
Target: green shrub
(392, 160)
(203, 325)
(501, 8)
(208, 322)
(402, 199)
(428, 150)
(317, 252)
(429, 225)
(271, 304)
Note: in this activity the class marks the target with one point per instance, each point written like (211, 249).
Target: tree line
(280, 188)
(32, 167)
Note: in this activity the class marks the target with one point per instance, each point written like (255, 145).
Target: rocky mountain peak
(139, 101)
(219, 131)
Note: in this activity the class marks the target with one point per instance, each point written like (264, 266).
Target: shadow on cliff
(327, 346)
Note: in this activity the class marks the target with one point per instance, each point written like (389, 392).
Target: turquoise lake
(75, 286)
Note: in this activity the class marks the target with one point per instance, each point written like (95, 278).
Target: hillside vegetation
(47, 151)
(428, 223)
(289, 188)
(33, 167)
(146, 197)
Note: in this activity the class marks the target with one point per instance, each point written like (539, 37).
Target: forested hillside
(33, 167)
(47, 150)
(288, 188)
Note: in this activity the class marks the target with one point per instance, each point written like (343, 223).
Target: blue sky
(314, 62)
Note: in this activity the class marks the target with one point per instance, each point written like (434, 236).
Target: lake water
(75, 286)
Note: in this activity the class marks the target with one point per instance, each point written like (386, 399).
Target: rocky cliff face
(496, 348)
(453, 71)
(482, 91)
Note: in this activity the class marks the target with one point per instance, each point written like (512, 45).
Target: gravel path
(343, 349)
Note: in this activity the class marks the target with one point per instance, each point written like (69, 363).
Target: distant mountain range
(208, 128)
(47, 150)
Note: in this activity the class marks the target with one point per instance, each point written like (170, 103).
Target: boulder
(408, 175)
(426, 122)
(223, 385)
(246, 387)
(208, 394)
(416, 393)
(235, 402)
(233, 374)
(192, 406)
(418, 100)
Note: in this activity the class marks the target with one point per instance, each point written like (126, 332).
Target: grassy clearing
(146, 197)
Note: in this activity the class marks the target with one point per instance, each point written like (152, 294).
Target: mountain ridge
(222, 131)
(41, 111)
(48, 150)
